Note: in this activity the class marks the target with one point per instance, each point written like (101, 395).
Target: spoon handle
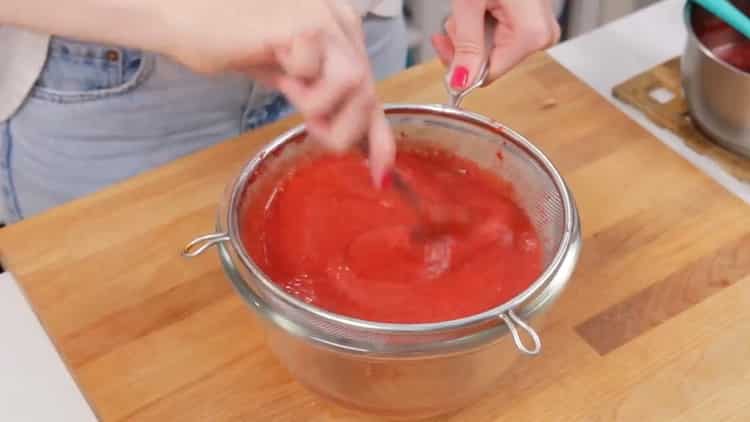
(401, 186)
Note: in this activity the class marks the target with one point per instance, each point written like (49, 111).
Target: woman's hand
(523, 27)
(313, 51)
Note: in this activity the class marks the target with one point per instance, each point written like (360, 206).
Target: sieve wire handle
(455, 96)
(514, 323)
(200, 244)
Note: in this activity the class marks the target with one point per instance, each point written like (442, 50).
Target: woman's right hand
(522, 27)
(312, 51)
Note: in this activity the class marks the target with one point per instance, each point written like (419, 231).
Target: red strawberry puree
(327, 236)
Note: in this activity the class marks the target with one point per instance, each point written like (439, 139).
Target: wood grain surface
(655, 325)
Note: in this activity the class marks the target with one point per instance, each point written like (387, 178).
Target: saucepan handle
(515, 323)
(200, 244)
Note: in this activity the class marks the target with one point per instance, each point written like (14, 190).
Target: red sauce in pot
(736, 54)
(327, 236)
(727, 44)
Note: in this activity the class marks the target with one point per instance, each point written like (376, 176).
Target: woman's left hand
(523, 27)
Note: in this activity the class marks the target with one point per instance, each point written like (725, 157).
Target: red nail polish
(460, 77)
(387, 180)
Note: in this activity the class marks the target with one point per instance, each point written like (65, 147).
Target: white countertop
(622, 49)
(34, 383)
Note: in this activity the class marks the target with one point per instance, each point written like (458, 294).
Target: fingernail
(460, 77)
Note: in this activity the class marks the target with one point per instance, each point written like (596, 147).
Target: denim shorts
(101, 114)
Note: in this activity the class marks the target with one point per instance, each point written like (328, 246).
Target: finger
(351, 124)
(556, 30)
(342, 75)
(350, 23)
(319, 130)
(382, 147)
(444, 48)
(468, 43)
(528, 27)
(553, 23)
(504, 57)
(443, 44)
(316, 101)
(532, 22)
(450, 27)
(303, 57)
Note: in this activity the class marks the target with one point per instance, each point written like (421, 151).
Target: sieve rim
(570, 227)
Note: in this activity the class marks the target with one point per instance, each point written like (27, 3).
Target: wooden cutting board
(655, 325)
(672, 114)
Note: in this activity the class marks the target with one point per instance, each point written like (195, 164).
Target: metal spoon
(436, 220)
(398, 182)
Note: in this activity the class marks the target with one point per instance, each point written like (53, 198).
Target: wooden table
(654, 326)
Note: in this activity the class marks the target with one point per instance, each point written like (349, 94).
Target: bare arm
(135, 23)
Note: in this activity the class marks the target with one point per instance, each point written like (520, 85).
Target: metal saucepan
(718, 94)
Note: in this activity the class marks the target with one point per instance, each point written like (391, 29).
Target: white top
(22, 55)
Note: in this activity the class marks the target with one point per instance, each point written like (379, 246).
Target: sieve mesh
(539, 190)
(534, 187)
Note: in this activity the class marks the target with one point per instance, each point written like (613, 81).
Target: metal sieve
(413, 370)
(540, 190)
